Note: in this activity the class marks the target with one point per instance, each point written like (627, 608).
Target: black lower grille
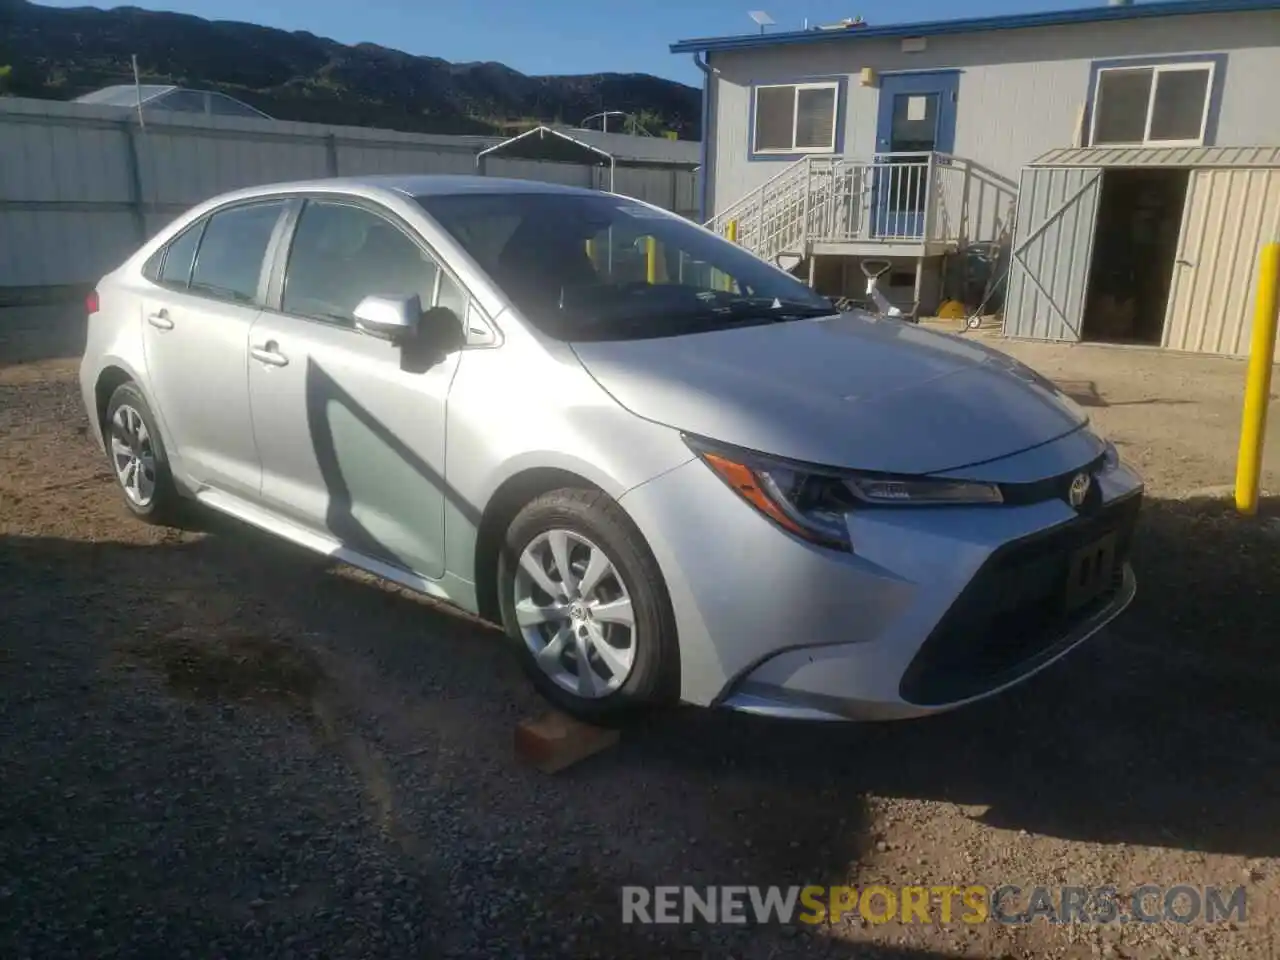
(1015, 612)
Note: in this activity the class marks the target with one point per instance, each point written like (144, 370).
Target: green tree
(6, 72)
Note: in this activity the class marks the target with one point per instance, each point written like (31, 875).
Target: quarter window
(229, 261)
(181, 254)
(342, 253)
(1166, 104)
(796, 118)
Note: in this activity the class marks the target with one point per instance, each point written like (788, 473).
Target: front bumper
(936, 608)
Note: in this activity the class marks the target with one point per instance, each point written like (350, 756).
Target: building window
(796, 118)
(1164, 105)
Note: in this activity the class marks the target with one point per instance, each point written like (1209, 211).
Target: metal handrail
(825, 198)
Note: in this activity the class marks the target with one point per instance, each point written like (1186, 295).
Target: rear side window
(232, 250)
(180, 255)
(343, 253)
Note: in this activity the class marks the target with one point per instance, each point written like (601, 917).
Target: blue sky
(565, 36)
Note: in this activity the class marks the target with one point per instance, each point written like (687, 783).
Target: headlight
(926, 490)
(811, 502)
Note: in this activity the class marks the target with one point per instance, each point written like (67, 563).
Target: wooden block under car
(555, 741)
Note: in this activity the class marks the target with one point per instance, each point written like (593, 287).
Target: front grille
(1013, 614)
(1054, 488)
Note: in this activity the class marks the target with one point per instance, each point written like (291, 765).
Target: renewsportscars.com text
(969, 904)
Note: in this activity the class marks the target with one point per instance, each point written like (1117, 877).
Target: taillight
(91, 302)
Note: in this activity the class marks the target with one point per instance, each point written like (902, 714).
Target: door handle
(1182, 262)
(160, 320)
(269, 353)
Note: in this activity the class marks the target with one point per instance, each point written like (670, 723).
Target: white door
(196, 336)
(351, 444)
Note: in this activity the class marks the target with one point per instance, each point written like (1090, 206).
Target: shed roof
(576, 145)
(1202, 157)
(624, 146)
(1017, 21)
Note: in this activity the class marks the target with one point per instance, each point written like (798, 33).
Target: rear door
(352, 438)
(196, 335)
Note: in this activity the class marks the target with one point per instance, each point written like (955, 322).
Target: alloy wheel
(575, 614)
(133, 455)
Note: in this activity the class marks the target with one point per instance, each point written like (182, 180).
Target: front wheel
(583, 597)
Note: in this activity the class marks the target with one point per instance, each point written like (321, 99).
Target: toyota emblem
(1079, 489)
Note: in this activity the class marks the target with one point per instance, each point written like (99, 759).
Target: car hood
(850, 390)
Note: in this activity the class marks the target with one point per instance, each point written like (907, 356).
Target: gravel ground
(213, 745)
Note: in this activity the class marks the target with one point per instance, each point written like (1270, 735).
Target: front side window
(595, 266)
(795, 118)
(342, 253)
(1159, 105)
(232, 250)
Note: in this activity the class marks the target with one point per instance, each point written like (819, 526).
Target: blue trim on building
(1054, 18)
(945, 83)
(1219, 61)
(842, 98)
(704, 178)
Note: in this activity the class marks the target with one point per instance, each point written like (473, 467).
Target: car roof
(414, 185)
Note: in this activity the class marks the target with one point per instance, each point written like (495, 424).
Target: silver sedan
(670, 470)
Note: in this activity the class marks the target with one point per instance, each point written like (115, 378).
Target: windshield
(601, 267)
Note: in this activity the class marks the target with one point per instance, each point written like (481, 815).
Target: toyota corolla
(669, 469)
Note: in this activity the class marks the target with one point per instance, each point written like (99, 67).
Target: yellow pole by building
(730, 234)
(651, 259)
(1257, 388)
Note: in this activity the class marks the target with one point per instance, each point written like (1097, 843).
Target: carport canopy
(547, 143)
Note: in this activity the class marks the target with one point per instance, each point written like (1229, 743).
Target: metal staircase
(844, 204)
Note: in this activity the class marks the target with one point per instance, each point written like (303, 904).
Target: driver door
(352, 445)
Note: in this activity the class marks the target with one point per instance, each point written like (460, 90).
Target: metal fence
(81, 186)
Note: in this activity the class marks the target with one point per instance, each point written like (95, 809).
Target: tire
(586, 522)
(156, 501)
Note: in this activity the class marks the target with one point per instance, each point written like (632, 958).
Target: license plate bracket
(1090, 570)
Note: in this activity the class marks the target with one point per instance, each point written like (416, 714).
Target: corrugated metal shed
(1231, 209)
(1229, 214)
(1052, 250)
(1202, 158)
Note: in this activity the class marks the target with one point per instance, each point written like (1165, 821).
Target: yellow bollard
(1257, 386)
(651, 259)
(730, 234)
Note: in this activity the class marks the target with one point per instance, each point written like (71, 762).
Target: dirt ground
(212, 745)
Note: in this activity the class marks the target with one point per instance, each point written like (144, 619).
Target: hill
(64, 53)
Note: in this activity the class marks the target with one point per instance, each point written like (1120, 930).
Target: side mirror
(394, 319)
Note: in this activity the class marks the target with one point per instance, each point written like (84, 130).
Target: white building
(825, 145)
